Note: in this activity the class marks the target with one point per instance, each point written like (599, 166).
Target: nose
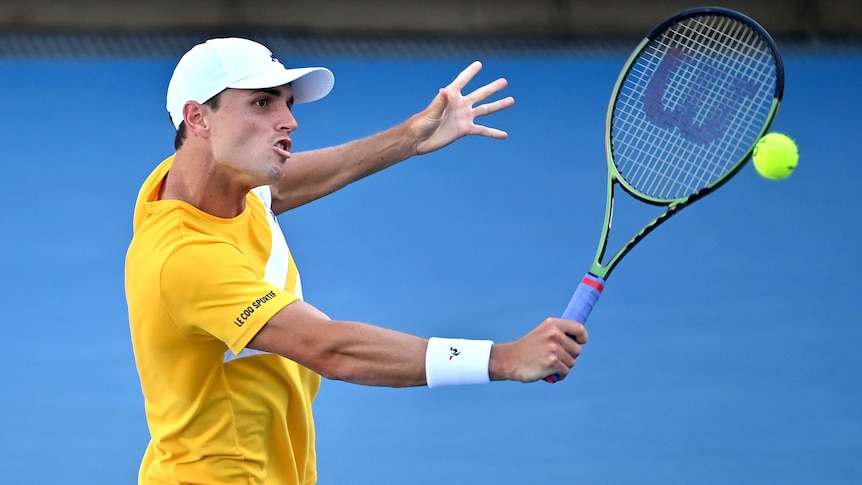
(287, 121)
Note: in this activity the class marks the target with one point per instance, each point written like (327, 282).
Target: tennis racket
(687, 109)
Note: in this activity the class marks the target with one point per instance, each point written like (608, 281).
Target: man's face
(250, 133)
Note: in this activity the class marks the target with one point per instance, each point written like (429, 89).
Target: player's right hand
(551, 348)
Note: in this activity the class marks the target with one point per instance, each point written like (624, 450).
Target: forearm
(317, 173)
(343, 350)
(374, 356)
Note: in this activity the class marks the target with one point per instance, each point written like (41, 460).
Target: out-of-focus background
(567, 18)
(725, 348)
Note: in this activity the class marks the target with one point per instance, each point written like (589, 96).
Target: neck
(198, 182)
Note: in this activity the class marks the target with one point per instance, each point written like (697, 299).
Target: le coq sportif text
(245, 314)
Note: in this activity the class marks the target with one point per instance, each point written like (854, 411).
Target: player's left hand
(451, 114)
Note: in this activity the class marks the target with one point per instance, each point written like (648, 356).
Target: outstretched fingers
(464, 77)
(451, 114)
(489, 132)
(486, 91)
(493, 107)
(486, 109)
(482, 93)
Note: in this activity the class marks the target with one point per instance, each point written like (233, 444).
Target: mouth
(282, 147)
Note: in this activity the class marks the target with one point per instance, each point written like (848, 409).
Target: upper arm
(227, 301)
(308, 176)
(296, 332)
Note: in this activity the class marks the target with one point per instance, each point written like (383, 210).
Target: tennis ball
(775, 156)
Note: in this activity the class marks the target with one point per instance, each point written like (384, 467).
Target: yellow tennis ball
(775, 156)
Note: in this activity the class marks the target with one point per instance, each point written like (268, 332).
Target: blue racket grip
(581, 305)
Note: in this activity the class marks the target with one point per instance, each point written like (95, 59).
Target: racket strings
(691, 105)
(702, 37)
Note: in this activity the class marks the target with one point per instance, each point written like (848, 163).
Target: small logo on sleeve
(246, 314)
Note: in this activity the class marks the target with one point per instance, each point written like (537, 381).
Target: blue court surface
(725, 349)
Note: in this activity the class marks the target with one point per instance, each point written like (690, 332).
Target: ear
(195, 117)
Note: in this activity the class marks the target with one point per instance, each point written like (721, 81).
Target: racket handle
(581, 305)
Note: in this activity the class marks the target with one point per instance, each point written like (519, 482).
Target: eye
(261, 102)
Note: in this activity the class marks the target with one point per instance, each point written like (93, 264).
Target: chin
(276, 174)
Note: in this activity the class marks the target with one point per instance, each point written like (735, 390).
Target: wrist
(497, 367)
(413, 133)
(452, 362)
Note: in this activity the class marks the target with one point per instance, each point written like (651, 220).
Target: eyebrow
(275, 93)
(270, 91)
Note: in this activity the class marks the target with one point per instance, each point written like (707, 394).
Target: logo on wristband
(453, 352)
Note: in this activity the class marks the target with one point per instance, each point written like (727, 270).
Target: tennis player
(229, 355)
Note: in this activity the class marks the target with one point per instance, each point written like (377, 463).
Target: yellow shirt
(198, 289)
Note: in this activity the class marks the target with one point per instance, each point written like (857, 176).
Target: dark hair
(213, 103)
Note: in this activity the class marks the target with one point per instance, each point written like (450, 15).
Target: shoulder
(149, 191)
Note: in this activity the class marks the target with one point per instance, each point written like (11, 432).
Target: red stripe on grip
(595, 284)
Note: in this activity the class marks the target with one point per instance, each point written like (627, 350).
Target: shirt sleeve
(210, 290)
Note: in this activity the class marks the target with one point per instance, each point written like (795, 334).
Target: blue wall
(724, 350)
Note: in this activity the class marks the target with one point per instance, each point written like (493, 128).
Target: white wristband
(453, 362)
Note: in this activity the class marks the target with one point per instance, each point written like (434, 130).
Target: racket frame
(591, 286)
(673, 205)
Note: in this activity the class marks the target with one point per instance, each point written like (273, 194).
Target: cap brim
(308, 83)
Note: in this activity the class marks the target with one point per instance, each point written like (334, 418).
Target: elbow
(336, 367)
(346, 368)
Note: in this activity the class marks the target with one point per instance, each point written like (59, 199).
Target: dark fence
(551, 18)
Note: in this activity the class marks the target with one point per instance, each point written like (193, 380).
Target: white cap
(217, 64)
